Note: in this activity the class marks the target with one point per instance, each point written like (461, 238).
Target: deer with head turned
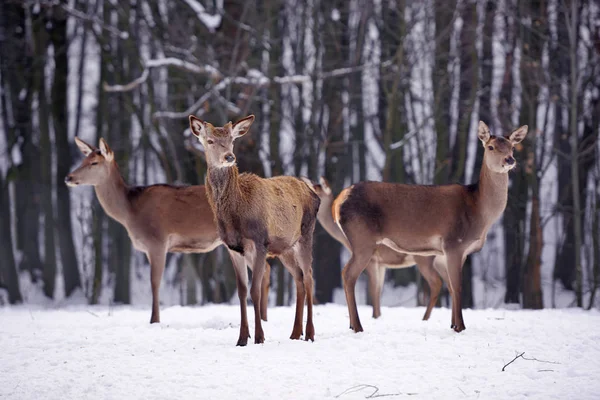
(447, 222)
(259, 218)
(158, 218)
(383, 257)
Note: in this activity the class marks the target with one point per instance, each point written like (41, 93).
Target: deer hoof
(310, 335)
(296, 335)
(259, 340)
(458, 328)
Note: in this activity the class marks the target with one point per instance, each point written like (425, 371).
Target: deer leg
(289, 262)
(361, 255)
(157, 266)
(264, 297)
(454, 263)
(434, 281)
(241, 280)
(374, 288)
(258, 271)
(304, 259)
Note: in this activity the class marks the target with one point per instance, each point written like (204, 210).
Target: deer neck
(492, 194)
(224, 187)
(325, 218)
(112, 194)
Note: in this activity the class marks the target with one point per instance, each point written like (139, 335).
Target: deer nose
(68, 178)
(510, 160)
(229, 158)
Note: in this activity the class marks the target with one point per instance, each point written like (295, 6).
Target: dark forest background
(377, 89)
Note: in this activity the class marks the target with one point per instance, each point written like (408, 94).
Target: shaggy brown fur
(259, 217)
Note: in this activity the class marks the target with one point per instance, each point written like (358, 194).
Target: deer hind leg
(434, 281)
(241, 279)
(374, 273)
(454, 263)
(304, 258)
(290, 263)
(258, 271)
(362, 251)
(264, 297)
(157, 267)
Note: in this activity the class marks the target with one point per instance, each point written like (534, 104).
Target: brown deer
(383, 257)
(259, 218)
(448, 222)
(158, 218)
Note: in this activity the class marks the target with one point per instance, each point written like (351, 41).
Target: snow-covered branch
(211, 21)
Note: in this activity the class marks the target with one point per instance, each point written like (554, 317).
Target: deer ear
(106, 152)
(85, 148)
(325, 185)
(518, 135)
(199, 128)
(483, 132)
(242, 126)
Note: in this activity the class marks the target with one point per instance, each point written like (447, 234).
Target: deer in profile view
(383, 257)
(158, 218)
(448, 222)
(259, 218)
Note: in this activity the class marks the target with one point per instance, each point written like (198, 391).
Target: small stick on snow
(512, 361)
(373, 394)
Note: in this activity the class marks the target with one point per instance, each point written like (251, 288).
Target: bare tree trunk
(531, 75)
(58, 36)
(573, 21)
(8, 268)
(40, 46)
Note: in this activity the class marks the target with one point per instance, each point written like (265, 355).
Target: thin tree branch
(512, 361)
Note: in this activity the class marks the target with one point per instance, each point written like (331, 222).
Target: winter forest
(384, 90)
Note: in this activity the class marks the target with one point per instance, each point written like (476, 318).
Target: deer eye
(95, 163)
(209, 141)
(491, 147)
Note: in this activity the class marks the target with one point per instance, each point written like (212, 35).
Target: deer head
(498, 155)
(95, 167)
(218, 141)
(322, 189)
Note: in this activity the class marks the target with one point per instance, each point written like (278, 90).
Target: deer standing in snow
(259, 217)
(158, 218)
(448, 222)
(383, 257)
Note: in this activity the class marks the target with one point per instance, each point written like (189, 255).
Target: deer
(447, 222)
(259, 218)
(383, 256)
(158, 218)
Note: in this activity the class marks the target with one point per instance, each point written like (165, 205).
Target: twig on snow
(374, 394)
(512, 361)
(531, 359)
(542, 361)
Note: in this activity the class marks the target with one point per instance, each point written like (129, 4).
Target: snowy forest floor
(95, 352)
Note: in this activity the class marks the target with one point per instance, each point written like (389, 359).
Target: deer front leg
(241, 279)
(454, 263)
(258, 270)
(157, 266)
(264, 297)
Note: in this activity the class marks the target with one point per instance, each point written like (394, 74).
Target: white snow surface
(101, 353)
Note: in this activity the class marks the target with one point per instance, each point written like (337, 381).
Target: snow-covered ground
(83, 352)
